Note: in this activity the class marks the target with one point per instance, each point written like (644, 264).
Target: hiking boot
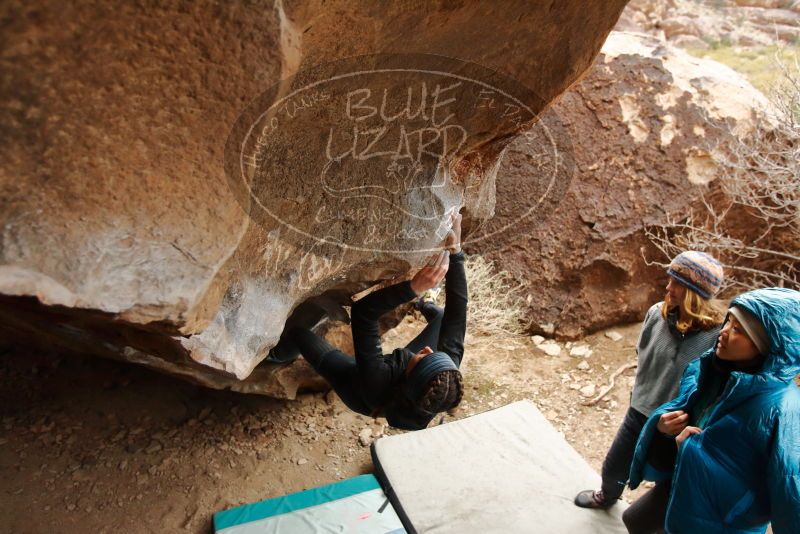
(593, 499)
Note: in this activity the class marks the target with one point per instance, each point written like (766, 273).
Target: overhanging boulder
(129, 223)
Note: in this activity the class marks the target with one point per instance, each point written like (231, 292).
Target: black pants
(648, 513)
(617, 463)
(340, 370)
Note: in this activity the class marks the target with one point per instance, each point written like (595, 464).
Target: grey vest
(663, 356)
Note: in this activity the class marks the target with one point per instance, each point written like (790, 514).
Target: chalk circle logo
(374, 152)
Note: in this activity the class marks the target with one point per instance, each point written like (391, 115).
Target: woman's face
(734, 344)
(675, 293)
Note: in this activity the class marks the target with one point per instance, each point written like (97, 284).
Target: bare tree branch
(753, 224)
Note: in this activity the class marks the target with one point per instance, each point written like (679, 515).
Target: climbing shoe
(276, 355)
(593, 499)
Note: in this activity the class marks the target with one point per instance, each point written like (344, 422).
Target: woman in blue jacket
(734, 430)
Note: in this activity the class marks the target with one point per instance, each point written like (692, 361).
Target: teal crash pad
(356, 505)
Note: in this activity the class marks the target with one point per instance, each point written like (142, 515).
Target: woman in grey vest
(674, 332)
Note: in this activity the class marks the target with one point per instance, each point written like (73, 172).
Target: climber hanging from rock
(414, 383)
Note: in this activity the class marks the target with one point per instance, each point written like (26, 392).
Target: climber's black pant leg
(333, 365)
(430, 334)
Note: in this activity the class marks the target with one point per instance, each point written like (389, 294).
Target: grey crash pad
(505, 470)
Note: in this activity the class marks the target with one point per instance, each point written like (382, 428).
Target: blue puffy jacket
(743, 469)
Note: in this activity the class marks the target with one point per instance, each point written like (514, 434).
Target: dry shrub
(496, 305)
(751, 222)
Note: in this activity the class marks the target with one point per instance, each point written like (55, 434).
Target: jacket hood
(778, 310)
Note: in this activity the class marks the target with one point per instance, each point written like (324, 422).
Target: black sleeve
(663, 452)
(454, 322)
(376, 373)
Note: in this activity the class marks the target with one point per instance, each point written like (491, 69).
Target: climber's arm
(454, 321)
(366, 312)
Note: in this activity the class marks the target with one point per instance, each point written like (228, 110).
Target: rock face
(167, 201)
(692, 24)
(640, 124)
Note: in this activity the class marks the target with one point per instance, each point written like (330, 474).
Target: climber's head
(433, 382)
(695, 279)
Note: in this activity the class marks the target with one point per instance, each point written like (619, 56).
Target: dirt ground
(88, 445)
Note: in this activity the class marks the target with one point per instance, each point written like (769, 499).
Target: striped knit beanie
(425, 370)
(697, 271)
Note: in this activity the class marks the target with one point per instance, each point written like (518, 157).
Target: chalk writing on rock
(370, 152)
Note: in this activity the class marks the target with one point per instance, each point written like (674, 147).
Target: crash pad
(505, 470)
